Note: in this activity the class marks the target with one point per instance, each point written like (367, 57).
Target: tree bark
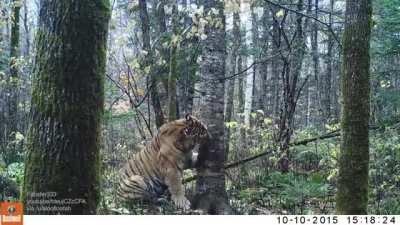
(173, 66)
(154, 95)
(275, 65)
(352, 194)
(256, 91)
(67, 105)
(210, 187)
(189, 53)
(328, 76)
(316, 68)
(27, 30)
(234, 67)
(291, 75)
(240, 93)
(264, 92)
(308, 88)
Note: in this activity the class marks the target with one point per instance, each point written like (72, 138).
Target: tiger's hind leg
(133, 195)
(133, 188)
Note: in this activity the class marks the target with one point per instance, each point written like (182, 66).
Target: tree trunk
(256, 91)
(263, 95)
(27, 31)
(189, 52)
(231, 83)
(12, 154)
(240, 88)
(316, 70)
(173, 65)
(155, 99)
(67, 105)
(275, 65)
(308, 88)
(229, 106)
(210, 187)
(336, 85)
(352, 194)
(328, 77)
(163, 69)
(292, 71)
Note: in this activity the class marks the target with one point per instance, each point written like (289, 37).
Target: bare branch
(308, 16)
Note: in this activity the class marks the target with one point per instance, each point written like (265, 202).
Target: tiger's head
(195, 128)
(186, 133)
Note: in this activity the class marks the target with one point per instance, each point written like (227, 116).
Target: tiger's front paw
(181, 202)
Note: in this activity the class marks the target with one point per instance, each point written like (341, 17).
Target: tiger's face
(194, 133)
(195, 128)
(187, 132)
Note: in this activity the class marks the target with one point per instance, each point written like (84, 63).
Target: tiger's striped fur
(159, 165)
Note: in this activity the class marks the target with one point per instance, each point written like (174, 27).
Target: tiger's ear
(189, 122)
(188, 118)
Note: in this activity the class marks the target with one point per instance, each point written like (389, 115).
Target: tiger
(158, 167)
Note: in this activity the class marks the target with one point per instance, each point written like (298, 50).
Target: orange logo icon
(11, 213)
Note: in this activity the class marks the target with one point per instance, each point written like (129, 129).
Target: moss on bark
(352, 195)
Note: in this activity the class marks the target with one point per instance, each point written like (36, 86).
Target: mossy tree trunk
(352, 194)
(210, 187)
(67, 104)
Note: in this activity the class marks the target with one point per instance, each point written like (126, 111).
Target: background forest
(279, 70)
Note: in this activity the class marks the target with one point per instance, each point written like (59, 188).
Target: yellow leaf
(280, 13)
(139, 92)
(267, 121)
(175, 40)
(232, 124)
(147, 70)
(19, 137)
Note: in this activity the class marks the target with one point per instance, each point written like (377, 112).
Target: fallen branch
(334, 133)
